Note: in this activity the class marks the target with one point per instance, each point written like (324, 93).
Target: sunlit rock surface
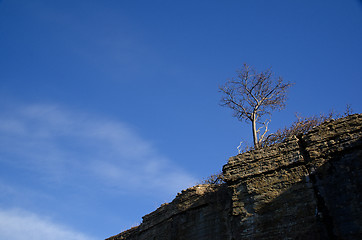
(308, 187)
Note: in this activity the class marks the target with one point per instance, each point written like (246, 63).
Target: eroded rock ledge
(308, 187)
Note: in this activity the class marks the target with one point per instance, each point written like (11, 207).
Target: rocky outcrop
(308, 187)
(188, 216)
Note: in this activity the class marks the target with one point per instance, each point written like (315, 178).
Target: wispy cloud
(17, 224)
(72, 165)
(67, 146)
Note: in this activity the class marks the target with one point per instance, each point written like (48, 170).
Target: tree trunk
(255, 136)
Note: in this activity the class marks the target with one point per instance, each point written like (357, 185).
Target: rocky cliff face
(308, 187)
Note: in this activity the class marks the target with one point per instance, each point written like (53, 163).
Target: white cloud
(16, 224)
(67, 146)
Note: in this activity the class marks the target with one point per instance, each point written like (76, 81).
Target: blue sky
(110, 108)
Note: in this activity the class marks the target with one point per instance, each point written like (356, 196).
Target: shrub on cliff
(302, 125)
(217, 178)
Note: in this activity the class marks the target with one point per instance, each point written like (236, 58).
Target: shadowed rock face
(308, 187)
(189, 216)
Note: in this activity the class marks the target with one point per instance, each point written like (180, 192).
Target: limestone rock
(308, 187)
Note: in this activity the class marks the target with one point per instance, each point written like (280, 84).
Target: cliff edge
(308, 187)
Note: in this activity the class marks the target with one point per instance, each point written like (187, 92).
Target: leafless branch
(251, 95)
(266, 130)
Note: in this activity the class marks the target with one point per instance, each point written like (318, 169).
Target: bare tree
(252, 95)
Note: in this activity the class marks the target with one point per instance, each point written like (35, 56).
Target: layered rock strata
(189, 216)
(308, 187)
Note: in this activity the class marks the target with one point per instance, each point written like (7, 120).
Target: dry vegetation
(300, 126)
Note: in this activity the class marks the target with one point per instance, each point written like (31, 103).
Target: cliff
(308, 187)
